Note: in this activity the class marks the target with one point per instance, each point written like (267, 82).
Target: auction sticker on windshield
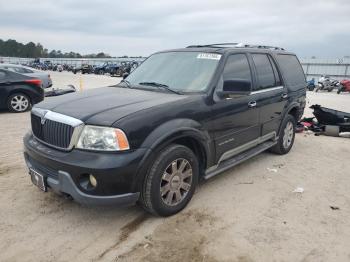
(209, 56)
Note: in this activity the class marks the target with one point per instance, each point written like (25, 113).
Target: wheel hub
(176, 182)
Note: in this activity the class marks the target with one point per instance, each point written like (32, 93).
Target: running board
(227, 164)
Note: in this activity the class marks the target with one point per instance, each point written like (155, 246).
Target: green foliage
(31, 50)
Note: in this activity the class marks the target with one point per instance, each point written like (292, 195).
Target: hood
(104, 106)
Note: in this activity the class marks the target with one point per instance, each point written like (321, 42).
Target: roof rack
(236, 45)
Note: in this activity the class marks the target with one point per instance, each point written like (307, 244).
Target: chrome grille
(55, 129)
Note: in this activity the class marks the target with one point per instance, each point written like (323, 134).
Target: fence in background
(313, 68)
(68, 61)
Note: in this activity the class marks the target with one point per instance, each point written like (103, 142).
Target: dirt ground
(249, 213)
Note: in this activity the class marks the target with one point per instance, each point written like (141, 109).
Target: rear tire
(171, 181)
(19, 103)
(286, 136)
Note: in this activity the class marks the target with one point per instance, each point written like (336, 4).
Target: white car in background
(43, 76)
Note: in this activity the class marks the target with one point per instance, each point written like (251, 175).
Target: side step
(227, 164)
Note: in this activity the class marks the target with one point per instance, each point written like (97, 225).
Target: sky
(309, 28)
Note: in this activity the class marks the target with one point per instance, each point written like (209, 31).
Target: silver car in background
(43, 76)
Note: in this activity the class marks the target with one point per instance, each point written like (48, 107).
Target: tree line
(13, 48)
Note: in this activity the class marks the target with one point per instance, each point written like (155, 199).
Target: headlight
(103, 138)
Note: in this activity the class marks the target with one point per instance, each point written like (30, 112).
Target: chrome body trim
(57, 117)
(47, 114)
(267, 90)
(235, 151)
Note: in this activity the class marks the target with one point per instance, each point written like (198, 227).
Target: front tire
(286, 136)
(18, 103)
(171, 181)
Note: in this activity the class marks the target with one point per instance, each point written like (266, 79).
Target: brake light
(36, 82)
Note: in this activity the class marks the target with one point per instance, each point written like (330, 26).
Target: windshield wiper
(161, 86)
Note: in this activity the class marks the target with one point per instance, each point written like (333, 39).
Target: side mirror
(235, 87)
(125, 75)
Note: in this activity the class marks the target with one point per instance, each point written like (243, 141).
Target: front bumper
(64, 172)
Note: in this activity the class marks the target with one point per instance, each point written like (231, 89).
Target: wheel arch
(294, 110)
(185, 134)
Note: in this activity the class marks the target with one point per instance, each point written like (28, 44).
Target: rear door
(271, 94)
(236, 121)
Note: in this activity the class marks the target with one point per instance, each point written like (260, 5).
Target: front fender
(167, 133)
(174, 129)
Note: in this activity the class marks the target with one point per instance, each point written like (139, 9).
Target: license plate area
(38, 179)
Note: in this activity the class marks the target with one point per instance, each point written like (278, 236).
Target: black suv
(182, 116)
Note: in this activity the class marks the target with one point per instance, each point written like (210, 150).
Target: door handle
(252, 104)
(284, 96)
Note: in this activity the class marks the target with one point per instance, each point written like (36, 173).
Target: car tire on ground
(171, 181)
(18, 103)
(286, 136)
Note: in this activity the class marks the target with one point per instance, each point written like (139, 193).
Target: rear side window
(292, 71)
(20, 70)
(265, 72)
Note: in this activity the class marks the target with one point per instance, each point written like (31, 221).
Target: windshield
(179, 71)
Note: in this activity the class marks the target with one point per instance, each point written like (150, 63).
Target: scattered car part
(60, 91)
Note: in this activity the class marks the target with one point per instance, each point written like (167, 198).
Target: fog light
(93, 180)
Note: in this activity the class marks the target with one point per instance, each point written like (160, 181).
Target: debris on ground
(327, 121)
(60, 91)
(334, 207)
(298, 190)
(278, 165)
(245, 183)
(272, 170)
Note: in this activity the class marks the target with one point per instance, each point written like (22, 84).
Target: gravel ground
(248, 213)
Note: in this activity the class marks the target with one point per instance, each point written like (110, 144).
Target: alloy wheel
(176, 182)
(19, 103)
(288, 135)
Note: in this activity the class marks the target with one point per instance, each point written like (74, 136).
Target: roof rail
(236, 45)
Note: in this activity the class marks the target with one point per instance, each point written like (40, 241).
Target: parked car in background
(18, 92)
(125, 67)
(182, 116)
(106, 67)
(84, 69)
(43, 76)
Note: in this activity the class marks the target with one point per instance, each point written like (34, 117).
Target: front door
(236, 119)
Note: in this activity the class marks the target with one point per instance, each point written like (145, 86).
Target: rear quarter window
(292, 71)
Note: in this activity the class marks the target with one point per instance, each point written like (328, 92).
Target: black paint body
(153, 119)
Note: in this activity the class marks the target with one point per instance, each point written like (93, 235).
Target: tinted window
(266, 77)
(292, 71)
(20, 70)
(278, 81)
(237, 67)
